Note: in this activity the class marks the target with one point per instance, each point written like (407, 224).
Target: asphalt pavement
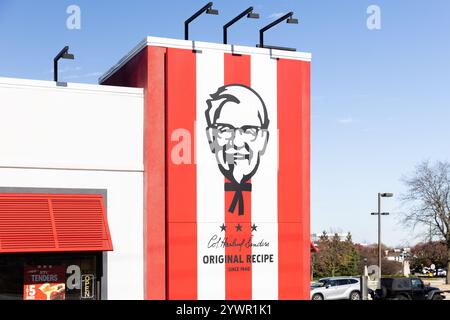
(438, 283)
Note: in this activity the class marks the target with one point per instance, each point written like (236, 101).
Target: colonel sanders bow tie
(238, 197)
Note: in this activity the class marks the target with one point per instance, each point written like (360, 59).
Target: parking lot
(438, 283)
(433, 282)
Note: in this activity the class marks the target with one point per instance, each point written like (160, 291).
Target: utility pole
(379, 214)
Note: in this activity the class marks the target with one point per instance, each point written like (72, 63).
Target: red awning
(53, 223)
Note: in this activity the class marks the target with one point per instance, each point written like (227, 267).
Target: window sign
(87, 287)
(44, 282)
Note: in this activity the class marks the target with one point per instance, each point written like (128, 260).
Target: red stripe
(293, 179)
(181, 178)
(154, 178)
(238, 284)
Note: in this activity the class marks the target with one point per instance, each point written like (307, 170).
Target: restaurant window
(59, 276)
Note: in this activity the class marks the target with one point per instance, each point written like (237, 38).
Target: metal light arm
(248, 12)
(63, 54)
(287, 17)
(207, 8)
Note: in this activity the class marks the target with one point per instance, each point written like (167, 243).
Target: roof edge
(199, 46)
(86, 87)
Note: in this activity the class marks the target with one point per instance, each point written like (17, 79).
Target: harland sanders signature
(219, 242)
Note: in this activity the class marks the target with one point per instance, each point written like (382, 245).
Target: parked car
(417, 269)
(440, 273)
(336, 288)
(427, 272)
(406, 289)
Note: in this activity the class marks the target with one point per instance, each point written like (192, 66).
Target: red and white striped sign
(221, 245)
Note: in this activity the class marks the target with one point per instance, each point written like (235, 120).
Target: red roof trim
(53, 223)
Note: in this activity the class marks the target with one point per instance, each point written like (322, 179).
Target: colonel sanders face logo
(237, 134)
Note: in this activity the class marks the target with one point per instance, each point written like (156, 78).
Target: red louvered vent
(53, 223)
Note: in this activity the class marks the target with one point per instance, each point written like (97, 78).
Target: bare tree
(428, 196)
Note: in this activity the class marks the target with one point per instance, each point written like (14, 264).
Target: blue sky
(379, 98)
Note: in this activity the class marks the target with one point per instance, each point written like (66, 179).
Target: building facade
(68, 144)
(183, 175)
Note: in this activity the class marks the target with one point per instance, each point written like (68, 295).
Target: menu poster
(44, 282)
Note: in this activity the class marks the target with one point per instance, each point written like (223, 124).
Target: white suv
(336, 288)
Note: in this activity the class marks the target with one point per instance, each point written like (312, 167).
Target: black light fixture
(289, 19)
(387, 195)
(207, 8)
(63, 54)
(248, 12)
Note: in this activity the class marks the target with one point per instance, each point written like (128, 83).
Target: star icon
(254, 228)
(223, 227)
(238, 227)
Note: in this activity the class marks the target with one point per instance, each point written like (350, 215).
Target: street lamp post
(379, 214)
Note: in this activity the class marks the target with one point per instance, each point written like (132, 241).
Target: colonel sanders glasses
(228, 132)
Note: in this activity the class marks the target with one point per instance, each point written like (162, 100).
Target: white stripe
(265, 184)
(210, 181)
